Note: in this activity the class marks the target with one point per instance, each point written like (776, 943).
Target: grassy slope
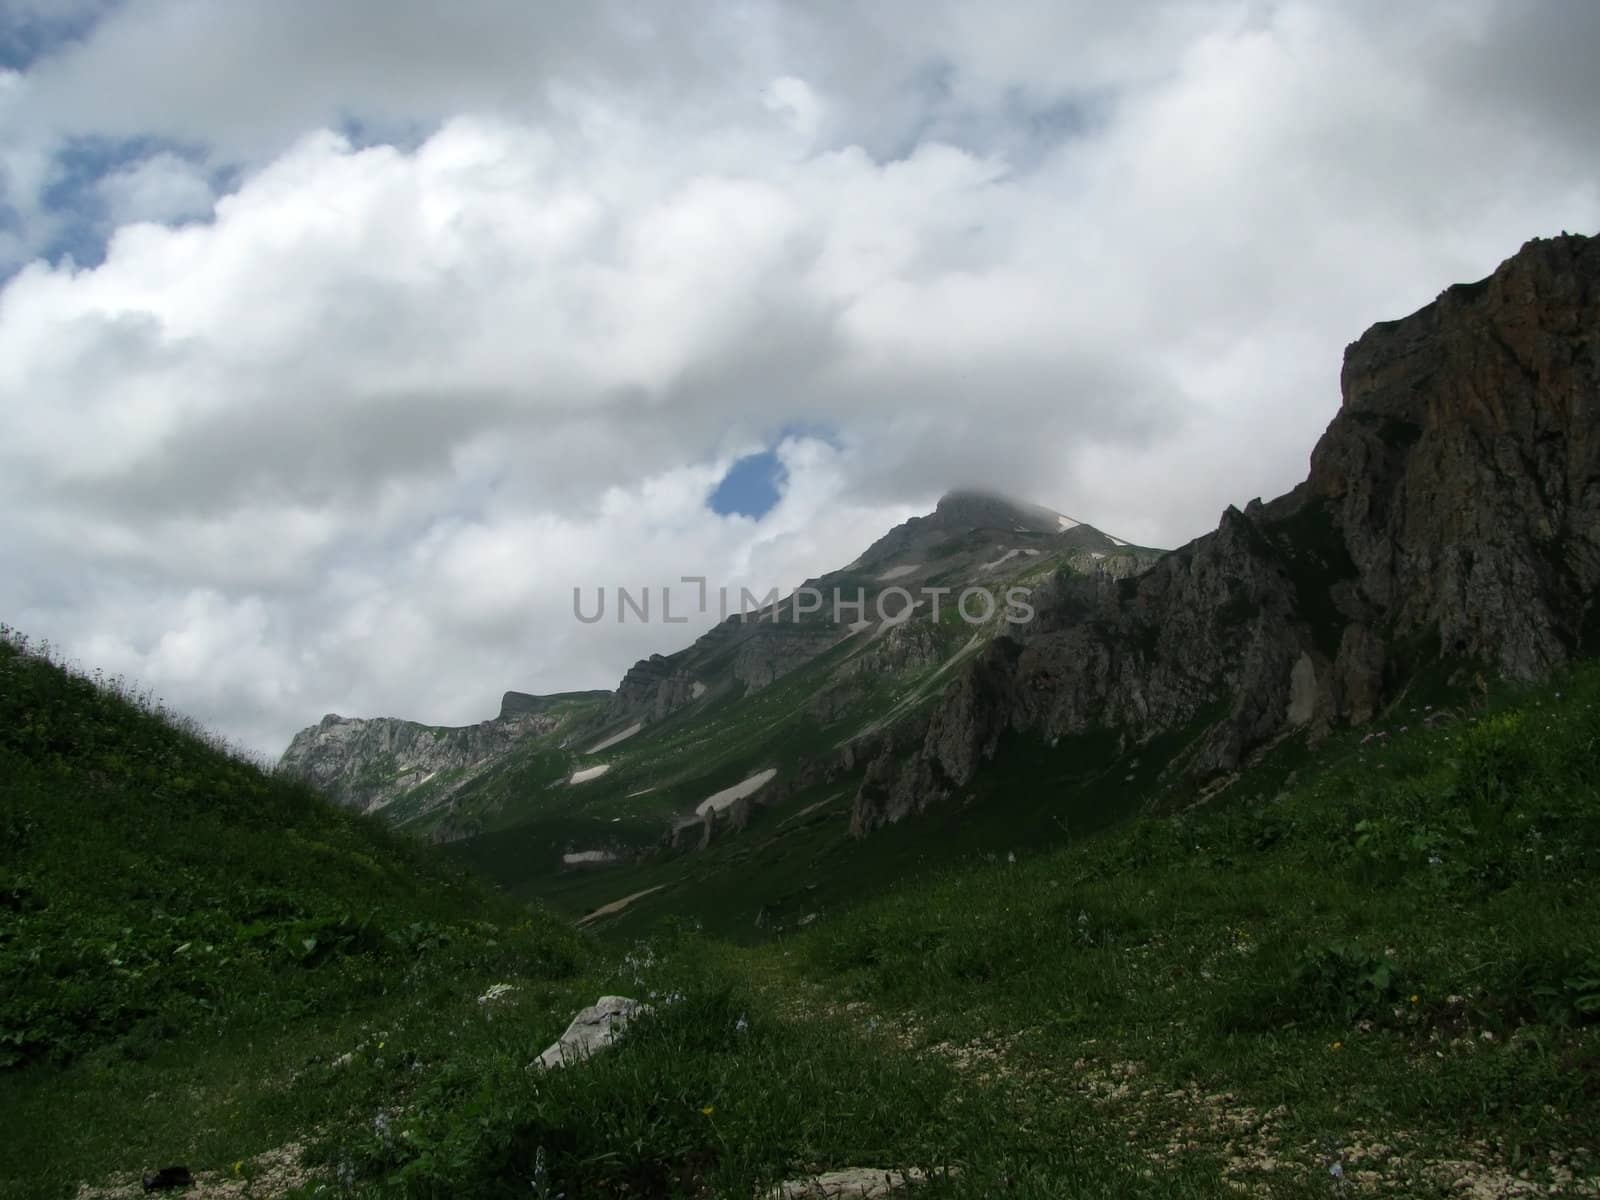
(1269, 986)
(788, 861)
(171, 917)
(1401, 951)
(798, 858)
(1388, 967)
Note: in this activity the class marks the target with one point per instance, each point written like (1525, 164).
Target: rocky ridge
(1451, 516)
(368, 763)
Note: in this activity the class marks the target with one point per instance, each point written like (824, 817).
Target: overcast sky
(340, 340)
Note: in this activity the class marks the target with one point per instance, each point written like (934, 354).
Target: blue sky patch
(72, 197)
(28, 35)
(755, 483)
(752, 486)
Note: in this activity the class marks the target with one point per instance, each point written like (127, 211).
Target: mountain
(442, 780)
(1450, 523)
(1448, 531)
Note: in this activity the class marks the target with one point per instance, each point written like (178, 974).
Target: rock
(497, 994)
(852, 1182)
(591, 1031)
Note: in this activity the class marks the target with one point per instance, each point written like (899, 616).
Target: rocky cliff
(1451, 518)
(367, 764)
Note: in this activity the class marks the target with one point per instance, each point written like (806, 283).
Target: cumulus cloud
(485, 307)
(161, 188)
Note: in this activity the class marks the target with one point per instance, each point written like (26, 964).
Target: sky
(340, 342)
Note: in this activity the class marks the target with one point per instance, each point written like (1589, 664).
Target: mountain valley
(1261, 866)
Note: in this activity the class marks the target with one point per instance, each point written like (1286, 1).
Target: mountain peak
(973, 508)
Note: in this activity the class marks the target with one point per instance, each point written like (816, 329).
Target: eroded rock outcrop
(368, 763)
(652, 688)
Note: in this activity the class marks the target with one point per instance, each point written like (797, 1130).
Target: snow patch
(721, 800)
(640, 792)
(1066, 523)
(1006, 557)
(615, 738)
(588, 856)
(1115, 541)
(616, 906)
(589, 773)
(898, 572)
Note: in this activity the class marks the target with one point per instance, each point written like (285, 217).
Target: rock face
(652, 688)
(366, 764)
(1452, 512)
(775, 650)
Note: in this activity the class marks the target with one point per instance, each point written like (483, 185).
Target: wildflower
(1337, 1046)
(708, 1110)
(741, 1025)
(1415, 999)
(238, 1167)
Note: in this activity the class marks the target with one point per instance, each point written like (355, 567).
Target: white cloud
(162, 188)
(348, 440)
